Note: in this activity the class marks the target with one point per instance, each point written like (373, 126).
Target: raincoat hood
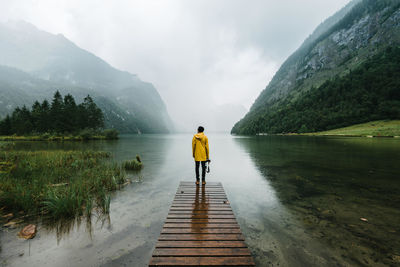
(200, 149)
(199, 136)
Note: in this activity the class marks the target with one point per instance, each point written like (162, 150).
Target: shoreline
(336, 135)
(372, 129)
(53, 138)
(84, 135)
(56, 138)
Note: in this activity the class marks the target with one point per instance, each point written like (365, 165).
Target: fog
(208, 59)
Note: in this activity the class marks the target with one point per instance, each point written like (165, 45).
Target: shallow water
(298, 200)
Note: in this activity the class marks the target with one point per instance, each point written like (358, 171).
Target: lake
(300, 201)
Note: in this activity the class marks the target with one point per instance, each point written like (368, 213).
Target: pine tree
(56, 117)
(93, 115)
(70, 114)
(44, 124)
(5, 126)
(22, 121)
(36, 115)
(63, 116)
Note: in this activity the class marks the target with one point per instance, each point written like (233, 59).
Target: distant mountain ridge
(36, 63)
(343, 43)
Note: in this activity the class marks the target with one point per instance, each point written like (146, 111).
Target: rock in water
(28, 232)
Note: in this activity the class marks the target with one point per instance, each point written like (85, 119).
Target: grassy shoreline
(57, 184)
(380, 128)
(82, 136)
(51, 138)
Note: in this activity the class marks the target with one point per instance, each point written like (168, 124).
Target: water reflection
(343, 192)
(298, 201)
(199, 212)
(137, 211)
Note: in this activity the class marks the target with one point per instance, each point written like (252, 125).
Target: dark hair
(200, 129)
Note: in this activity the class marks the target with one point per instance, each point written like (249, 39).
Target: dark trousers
(203, 170)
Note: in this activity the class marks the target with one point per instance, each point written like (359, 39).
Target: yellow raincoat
(200, 147)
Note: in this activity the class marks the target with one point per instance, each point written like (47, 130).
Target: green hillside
(18, 88)
(372, 128)
(34, 63)
(343, 74)
(370, 92)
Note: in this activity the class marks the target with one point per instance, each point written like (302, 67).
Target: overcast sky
(198, 53)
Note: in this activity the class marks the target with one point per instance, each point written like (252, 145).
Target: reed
(58, 184)
(133, 165)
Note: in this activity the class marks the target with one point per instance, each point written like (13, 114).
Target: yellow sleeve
(193, 146)
(207, 149)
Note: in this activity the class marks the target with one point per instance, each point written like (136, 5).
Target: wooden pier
(201, 230)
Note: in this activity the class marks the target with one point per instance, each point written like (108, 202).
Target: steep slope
(134, 105)
(18, 88)
(343, 43)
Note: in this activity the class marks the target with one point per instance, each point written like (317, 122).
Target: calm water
(298, 200)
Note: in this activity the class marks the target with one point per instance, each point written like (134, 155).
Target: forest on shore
(368, 93)
(61, 116)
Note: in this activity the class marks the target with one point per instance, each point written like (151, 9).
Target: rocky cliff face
(349, 38)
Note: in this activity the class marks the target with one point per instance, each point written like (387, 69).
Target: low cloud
(198, 54)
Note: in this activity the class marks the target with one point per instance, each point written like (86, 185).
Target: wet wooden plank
(208, 190)
(201, 252)
(201, 230)
(189, 216)
(196, 191)
(185, 207)
(199, 212)
(201, 225)
(202, 261)
(201, 244)
(207, 201)
(199, 207)
(200, 216)
(183, 183)
(198, 230)
(207, 220)
(200, 193)
(200, 198)
(193, 187)
(181, 237)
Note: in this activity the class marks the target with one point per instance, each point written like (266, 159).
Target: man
(200, 152)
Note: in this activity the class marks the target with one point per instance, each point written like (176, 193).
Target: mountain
(35, 63)
(327, 82)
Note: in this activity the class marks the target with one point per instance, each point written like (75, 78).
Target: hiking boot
(203, 182)
(197, 182)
